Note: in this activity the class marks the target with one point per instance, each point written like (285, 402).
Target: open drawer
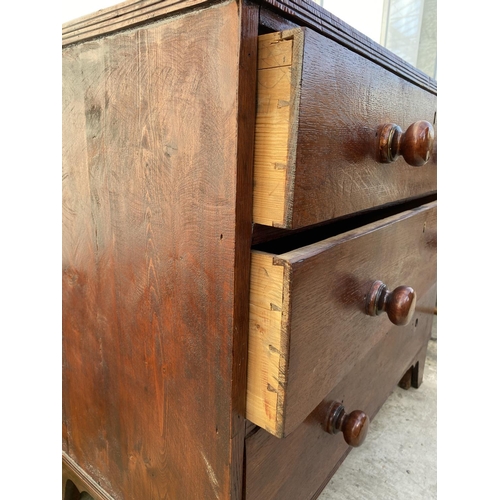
(297, 466)
(335, 133)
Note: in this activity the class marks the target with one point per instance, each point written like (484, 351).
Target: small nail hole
(416, 323)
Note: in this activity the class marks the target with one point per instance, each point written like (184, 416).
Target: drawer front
(308, 318)
(299, 465)
(319, 113)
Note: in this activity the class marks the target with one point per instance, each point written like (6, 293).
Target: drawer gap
(278, 241)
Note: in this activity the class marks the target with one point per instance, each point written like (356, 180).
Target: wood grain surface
(122, 16)
(268, 340)
(79, 481)
(278, 99)
(300, 465)
(305, 339)
(279, 14)
(150, 327)
(303, 12)
(319, 161)
(247, 88)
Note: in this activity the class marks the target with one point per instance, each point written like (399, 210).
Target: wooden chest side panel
(149, 195)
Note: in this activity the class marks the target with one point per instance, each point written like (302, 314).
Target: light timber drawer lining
(279, 75)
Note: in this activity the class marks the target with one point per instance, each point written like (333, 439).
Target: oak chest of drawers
(249, 246)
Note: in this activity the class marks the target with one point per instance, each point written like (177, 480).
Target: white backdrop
(72, 9)
(364, 15)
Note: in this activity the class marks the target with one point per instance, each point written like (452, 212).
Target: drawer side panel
(268, 343)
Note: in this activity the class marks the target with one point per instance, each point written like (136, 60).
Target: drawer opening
(308, 321)
(319, 111)
(278, 241)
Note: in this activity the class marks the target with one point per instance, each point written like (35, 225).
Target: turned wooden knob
(353, 426)
(415, 145)
(399, 304)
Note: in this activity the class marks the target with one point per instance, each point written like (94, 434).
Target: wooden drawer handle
(399, 304)
(354, 426)
(415, 144)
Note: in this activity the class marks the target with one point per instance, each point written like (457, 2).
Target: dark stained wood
(405, 382)
(333, 168)
(310, 14)
(125, 15)
(304, 12)
(415, 145)
(294, 467)
(325, 329)
(249, 427)
(271, 20)
(75, 481)
(330, 475)
(415, 374)
(354, 425)
(158, 132)
(344, 99)
(70, 491)
(399, 304)
(330, 331)
(152, 325)
(247, 83)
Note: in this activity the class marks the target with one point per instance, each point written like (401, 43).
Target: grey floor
(398, 459)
